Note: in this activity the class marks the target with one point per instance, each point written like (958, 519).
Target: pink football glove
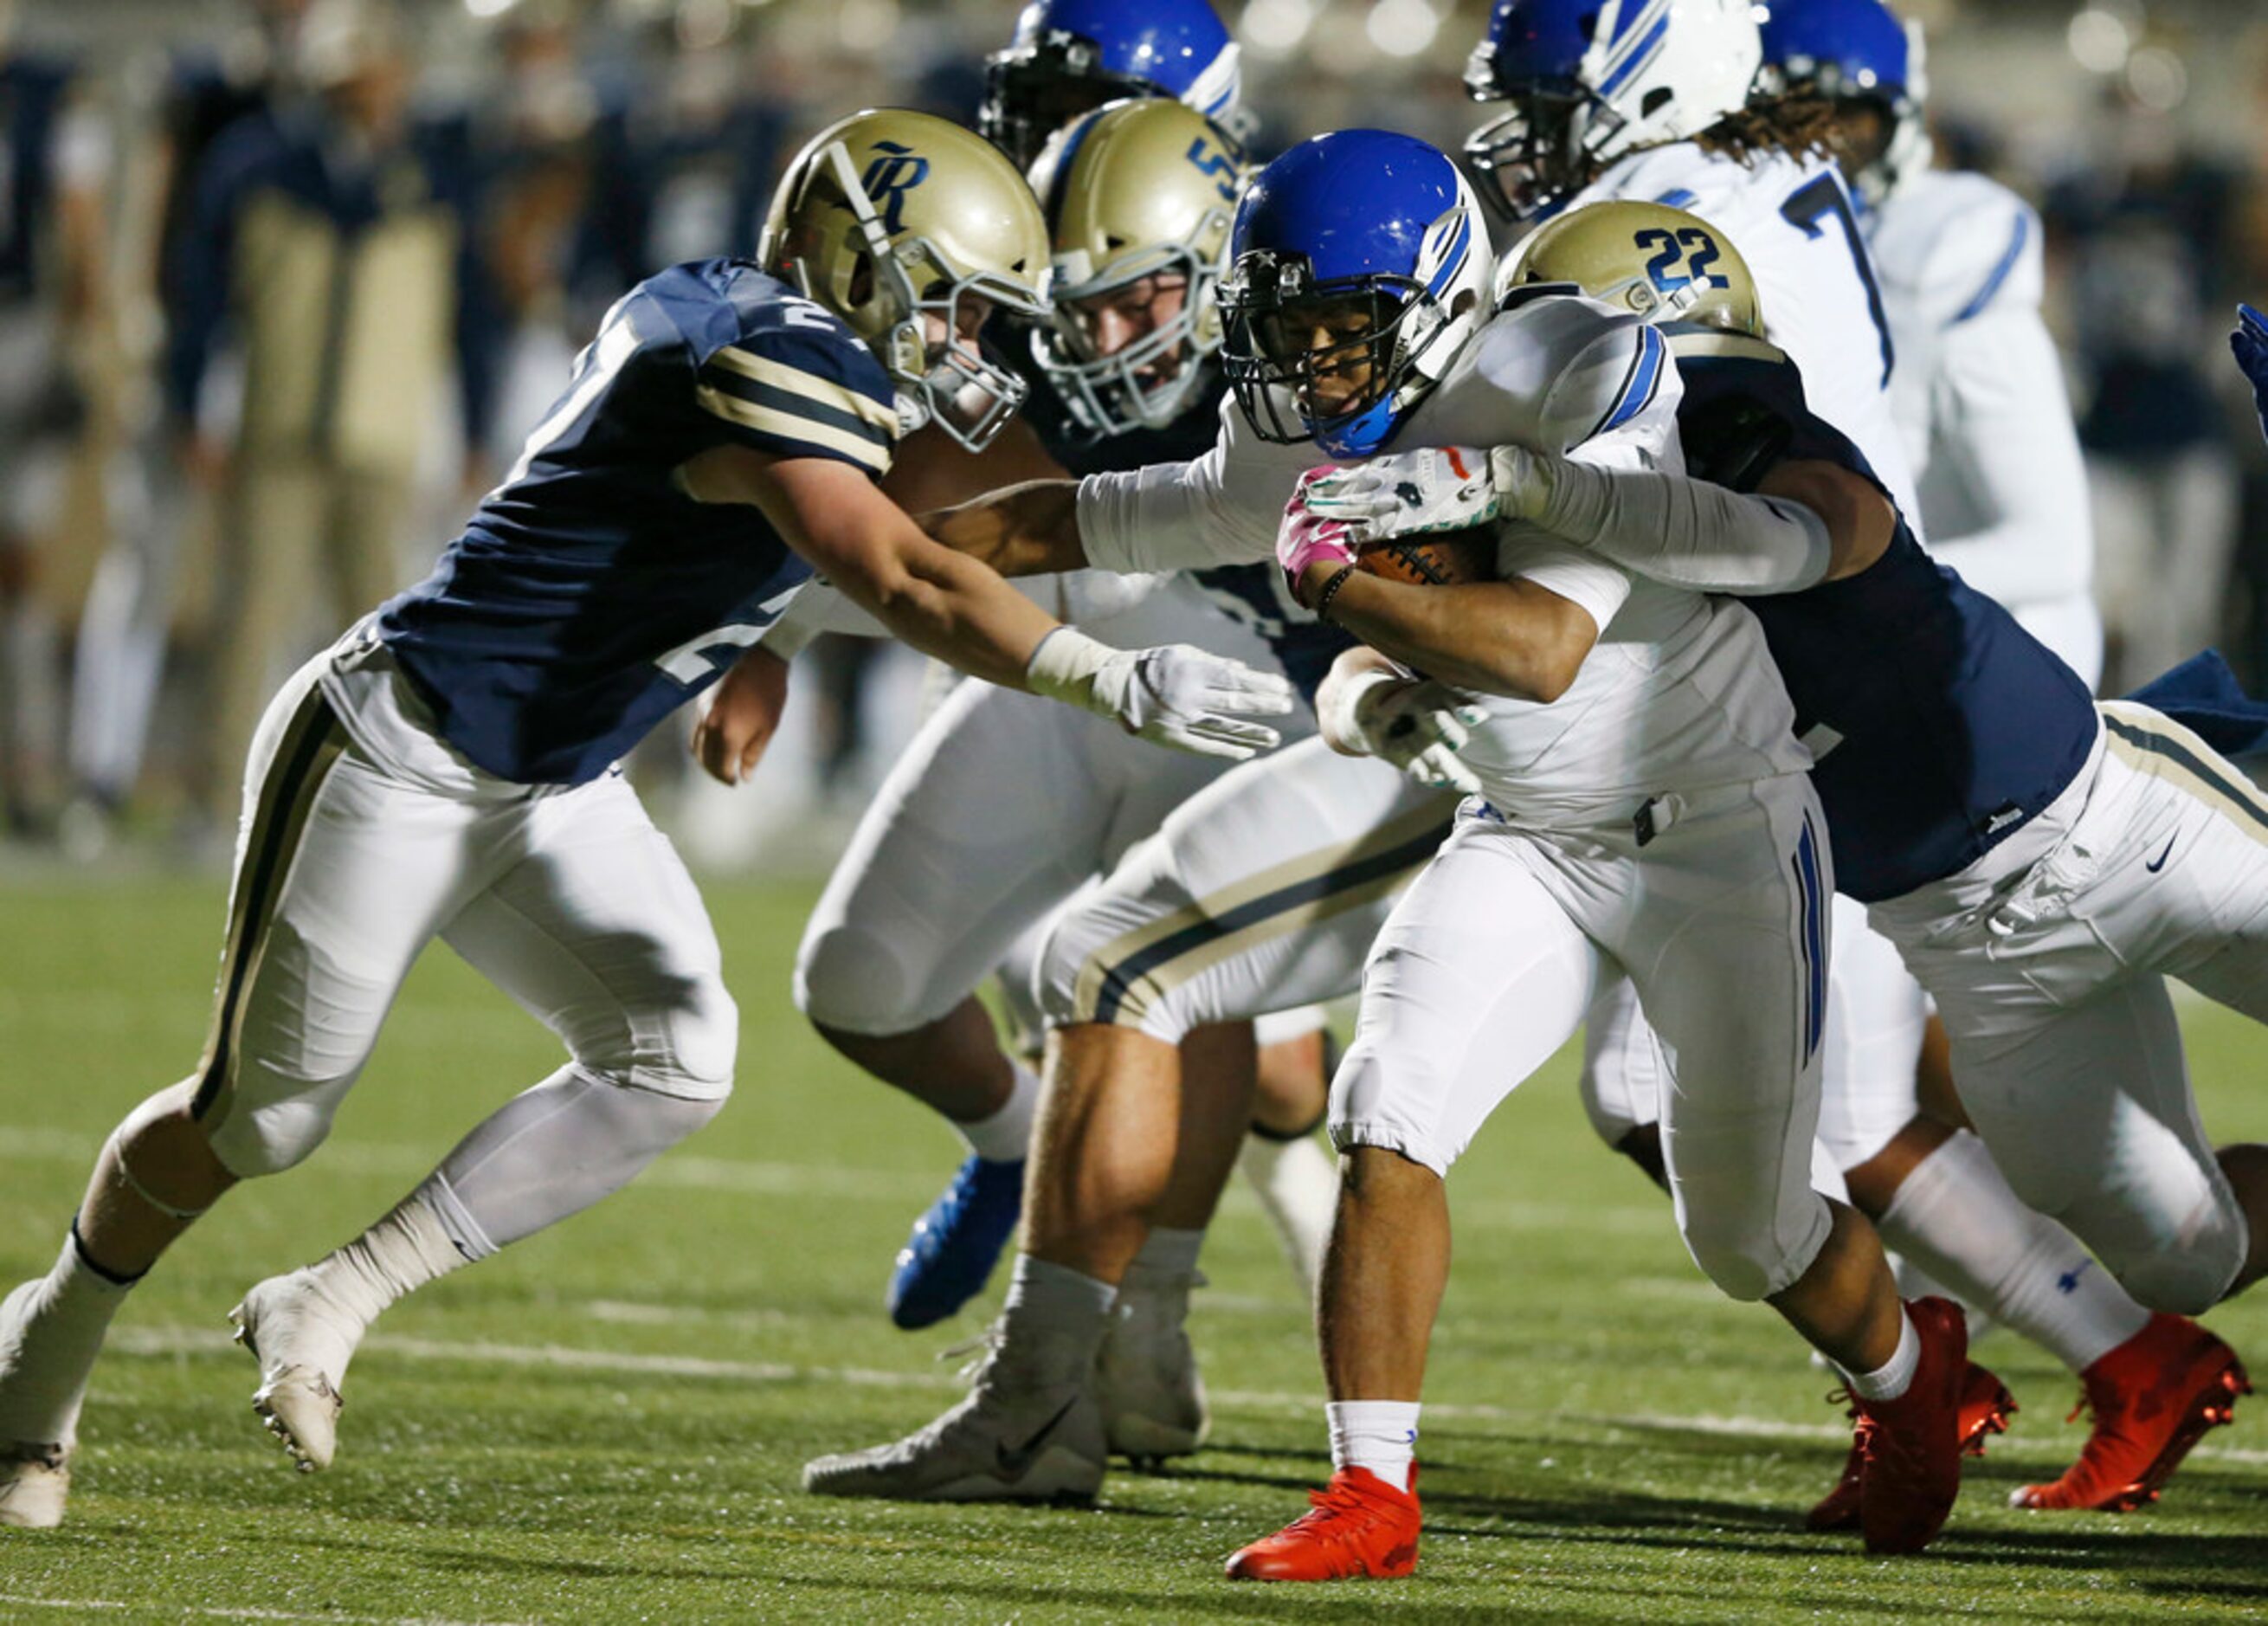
(1304, 538)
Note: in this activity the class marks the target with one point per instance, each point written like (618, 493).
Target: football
(1440, 559)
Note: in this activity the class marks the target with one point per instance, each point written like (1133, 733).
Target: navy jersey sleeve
(794, 381)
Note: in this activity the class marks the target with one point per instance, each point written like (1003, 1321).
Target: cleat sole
(2214, 1406)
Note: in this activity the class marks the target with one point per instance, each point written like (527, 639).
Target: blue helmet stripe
(1633, 18)
(1638, 391)
(2014, 253)
(1637, 59)
(1455, 262)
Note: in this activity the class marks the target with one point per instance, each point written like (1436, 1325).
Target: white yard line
(683, 1172)
(216, 1612)
(178, 1341)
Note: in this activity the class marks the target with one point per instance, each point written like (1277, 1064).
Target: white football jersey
(1980, 401)
(1793, 222)
(1680, 693)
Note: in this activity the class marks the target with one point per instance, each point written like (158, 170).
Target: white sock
(1298, 1184)
(404, 1250)
(1169, 1252)
(1053, 1323)
(1006, 1135)
(1378, 1434)
(552, 1152)
(1895, 1376)
(1955, 1216)
(54, 1332)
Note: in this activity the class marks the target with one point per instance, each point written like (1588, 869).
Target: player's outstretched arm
(1808, 521)
(1020, 530)
(952, 606)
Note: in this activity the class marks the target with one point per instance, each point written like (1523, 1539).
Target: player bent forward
(446, 770)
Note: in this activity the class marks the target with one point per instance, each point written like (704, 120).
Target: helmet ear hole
(861, 289)
(1655, 102)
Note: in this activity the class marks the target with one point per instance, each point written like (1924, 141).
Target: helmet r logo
(889, 178)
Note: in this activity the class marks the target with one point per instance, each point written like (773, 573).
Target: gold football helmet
(1661, 263)
(913, 230)
(1140, 196)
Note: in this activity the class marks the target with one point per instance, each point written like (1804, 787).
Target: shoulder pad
(1571, 368)
(1981, 251)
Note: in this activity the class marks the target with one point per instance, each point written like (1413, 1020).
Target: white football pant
(2047, 959)
(1491, 959)
(364, 838)
(1005, 806)
(1260, 892)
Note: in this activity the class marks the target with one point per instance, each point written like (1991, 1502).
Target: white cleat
(34, 1483)
(1297, 1182)
(1005, 1443)
(302, 1341)
(1146, 1383)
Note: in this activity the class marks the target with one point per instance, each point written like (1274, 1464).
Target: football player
(1363, 268)
(1983, 410)
(1070, 57)
(1975, 797)
(448, 768)
(1219, 919)
(999, 811)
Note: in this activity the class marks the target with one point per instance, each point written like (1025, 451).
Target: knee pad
(691, 1055)
(2190, 1277)
(268, 1139)
(1751, 1255)
(851, 979)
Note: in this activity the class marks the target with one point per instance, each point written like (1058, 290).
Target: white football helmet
(1590, 80)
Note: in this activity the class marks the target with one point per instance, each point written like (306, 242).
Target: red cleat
(1360, 1526)
(2152, 1397)
(1985, 1408)
(1911, 1446)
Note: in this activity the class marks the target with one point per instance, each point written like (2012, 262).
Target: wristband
(1330, 591)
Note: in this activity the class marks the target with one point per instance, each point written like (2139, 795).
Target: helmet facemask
(1151, 379)
(920, 316)
(1032, 92)
(1347, 392)
(1530, 158)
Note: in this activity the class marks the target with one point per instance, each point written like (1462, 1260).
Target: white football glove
(1416, 724)
(1442, 488)
(1173, 694)
(1435, 489)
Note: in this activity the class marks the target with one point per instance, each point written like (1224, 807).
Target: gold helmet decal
(1661, 263)
(1140, 196)
(912, 229)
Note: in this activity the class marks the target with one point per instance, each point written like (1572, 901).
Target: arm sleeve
(800, 392)
(1220, 508)
(1688, 533)
(2002, 427)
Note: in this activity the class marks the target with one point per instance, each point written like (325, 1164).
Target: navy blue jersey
(1253, 594)
(589, 596)
(1939, 724)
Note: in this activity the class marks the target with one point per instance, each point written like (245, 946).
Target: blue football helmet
(1853, 50)
(1590, 80)
(1070, 57)
(1360, 267)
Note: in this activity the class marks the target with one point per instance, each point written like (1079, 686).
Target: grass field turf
(607, 1422)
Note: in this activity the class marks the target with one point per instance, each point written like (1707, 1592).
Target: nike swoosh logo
(2160, 864)
(1014, 1461)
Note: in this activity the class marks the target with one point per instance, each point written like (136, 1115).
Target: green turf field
(607, 1422)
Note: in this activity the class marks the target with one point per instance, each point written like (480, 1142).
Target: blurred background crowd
(283, 282)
